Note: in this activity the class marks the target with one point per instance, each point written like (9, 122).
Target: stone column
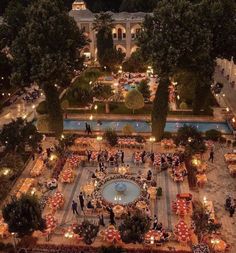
(128, 39)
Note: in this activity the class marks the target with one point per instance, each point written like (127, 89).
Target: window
(124, 35)
(114, 35)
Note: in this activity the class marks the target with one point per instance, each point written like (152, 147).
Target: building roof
(87, 15)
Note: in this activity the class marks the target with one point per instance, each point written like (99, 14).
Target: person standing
(231, 211)
(74, 207)
(81, 201)
(228, 203)
(89, 129)
(122, 156)
(155, 222)
(211, 157)
(112, 218)
(86, 127)
(101, 220)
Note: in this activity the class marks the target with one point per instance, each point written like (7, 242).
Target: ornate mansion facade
(126, 28)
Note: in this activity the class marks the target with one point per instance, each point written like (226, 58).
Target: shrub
(183, 106)
(191, 138)
(42, 108)
(92, 73)
(133, 228)
(134, 100)
(88, 231)
(111, 136)
(213, 135)
(128, 129)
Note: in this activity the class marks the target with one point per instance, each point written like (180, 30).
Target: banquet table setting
(56, 201)
(25, 187)
(137, 157)
(127, 142)
(74, 160)
(178, 173)
(181, 207)
(110, 234)
(232, 169)
(37, 168)
(118, 210)
(67, 175)
(84, 141)
(167, 143)
(51, 223)
(182, 232)
(141, 205)
(3, 229)
(153, 236)
(230, 157)
(88, 188)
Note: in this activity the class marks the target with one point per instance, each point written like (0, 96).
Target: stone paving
(219, 185)
(161, 207)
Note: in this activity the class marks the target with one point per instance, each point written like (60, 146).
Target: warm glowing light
(91, 117)
(62, 136)
(233, 119)
(99, 138)
(178, 97)
(227, 109)
(152, 139)
(6, 172)
(95, 107)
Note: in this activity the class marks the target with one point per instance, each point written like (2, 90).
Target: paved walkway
(229, 100)
(219, 185)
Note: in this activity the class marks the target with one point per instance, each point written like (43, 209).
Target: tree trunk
(160, 108)
(54, 109)
(107, 107)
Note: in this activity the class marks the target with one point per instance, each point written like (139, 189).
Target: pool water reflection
(142, 126)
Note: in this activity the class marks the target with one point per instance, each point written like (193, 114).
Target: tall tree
(103, 25)
(5, 71)
(19, 133)
(171, 37)
(23, 216)
(14, 19)
(107, 54)
(46, 51)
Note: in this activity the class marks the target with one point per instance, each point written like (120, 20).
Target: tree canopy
(23, 216)
(18, 134)
(107, 54)
(172, 38)
(46, 51)
(134, 100)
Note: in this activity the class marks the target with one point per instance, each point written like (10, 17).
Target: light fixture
(95, 107)
(99, 138)
(91, 117)
(152, 139)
